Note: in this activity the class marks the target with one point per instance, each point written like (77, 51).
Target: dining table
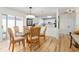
(27, 32)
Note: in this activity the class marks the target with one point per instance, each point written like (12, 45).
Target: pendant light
(30, 13)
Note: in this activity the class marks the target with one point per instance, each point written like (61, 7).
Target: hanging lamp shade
(30, 16)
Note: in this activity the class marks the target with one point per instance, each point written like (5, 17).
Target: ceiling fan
(69, 11)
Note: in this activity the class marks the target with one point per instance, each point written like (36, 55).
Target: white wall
(67, 23)
(10, 11)
(0, 28)
(77, 17)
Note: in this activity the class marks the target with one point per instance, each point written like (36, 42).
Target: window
(19, 23)
(11, 21)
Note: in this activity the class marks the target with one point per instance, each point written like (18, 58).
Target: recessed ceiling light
(49, 16)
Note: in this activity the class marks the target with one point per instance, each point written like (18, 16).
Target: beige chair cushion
(42, 30)
(76, 29)
(35, 37)
(19, 38)
(42, 33)
(76, 37)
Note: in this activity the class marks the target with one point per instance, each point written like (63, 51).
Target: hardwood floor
(50, 45)
(65, 44)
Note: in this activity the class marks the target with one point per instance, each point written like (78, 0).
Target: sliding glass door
(4, 26)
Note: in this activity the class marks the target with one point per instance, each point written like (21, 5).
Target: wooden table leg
(70, 39)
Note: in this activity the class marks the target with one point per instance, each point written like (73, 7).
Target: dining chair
(43, 32)
(34, 37)
(14, 39)
(74, 39)
(17, 33)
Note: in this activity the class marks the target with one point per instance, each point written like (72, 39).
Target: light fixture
(30, 14)
(69, 11)
(30, 9)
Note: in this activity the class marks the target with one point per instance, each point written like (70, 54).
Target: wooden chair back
(34, 37)
(16, 29)
(35, 31)
(11, 34)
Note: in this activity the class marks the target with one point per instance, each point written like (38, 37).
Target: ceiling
(42, 11)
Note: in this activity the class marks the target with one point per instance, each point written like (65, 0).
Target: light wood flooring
(50, 45)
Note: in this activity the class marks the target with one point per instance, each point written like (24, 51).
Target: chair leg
(30, 47)
(70, 43)
(19, 43)
(9, 45)
(70, 39)
(13, 47)
(38, 44)
(23, 42)
(44, 38)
